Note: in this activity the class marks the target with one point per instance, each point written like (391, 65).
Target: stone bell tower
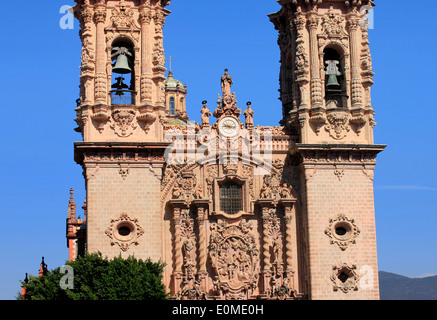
(325, 80)
(122, 102)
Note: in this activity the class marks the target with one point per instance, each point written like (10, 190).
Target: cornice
(113, 152)
(362, 154)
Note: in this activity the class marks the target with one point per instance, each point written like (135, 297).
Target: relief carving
(185, 188)
(123, 17)
(123, 124)
(234, 258)
(274, 188)
(338, 125)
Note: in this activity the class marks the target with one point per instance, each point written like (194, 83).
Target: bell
(333, 82)
(122, 65)
(332, 72)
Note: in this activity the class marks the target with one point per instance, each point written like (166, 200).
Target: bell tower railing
(123, 97)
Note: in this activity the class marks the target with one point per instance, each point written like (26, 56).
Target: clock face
(229, 126)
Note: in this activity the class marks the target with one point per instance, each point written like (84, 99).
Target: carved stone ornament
(227, 106)
(185, 188)
(123, 124)
(234, 257)
(124, 232)
(274, 188)
(338, 125)
(342, 231)
(191, 283)
(123, 17)
(148, 119)
(333, 24)
(124, 172)
(345, 278)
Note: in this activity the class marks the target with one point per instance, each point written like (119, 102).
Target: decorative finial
(43, 268)
(71, 206)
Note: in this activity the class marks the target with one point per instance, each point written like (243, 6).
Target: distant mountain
(395, 287)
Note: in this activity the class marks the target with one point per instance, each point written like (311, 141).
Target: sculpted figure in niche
(266, 191)
(198, 194)
(177, 192)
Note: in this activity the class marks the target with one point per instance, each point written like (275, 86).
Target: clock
(229, 126)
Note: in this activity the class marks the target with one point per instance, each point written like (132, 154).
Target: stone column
(355, 43)
(290, 238)
(266, 205)
(267, 270)
(101, 92)
(146, 56)
(178, 260)
(316, 84)
(202, 207)
(159, 59)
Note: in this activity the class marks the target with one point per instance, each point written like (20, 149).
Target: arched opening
(172, 106)
(335, 84)
(123, 74)
(181, 105)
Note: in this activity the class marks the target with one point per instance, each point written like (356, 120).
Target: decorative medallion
(345, 278)
(124, 232)
(342, 231)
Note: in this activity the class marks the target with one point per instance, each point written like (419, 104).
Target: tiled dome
(173, 84)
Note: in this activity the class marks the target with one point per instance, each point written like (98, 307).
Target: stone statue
(249, 115)
(227, 83)
(285, 192)
(205, 114)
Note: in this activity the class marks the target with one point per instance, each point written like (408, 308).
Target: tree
(97, 278)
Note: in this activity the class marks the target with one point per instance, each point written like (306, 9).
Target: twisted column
(178, 260)
(202, 240)
(288, 242)
(177, 240)
(266, 249)
(290, 238)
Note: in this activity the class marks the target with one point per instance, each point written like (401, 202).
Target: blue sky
(40, 81)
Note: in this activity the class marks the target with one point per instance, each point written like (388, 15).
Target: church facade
(235, 210)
